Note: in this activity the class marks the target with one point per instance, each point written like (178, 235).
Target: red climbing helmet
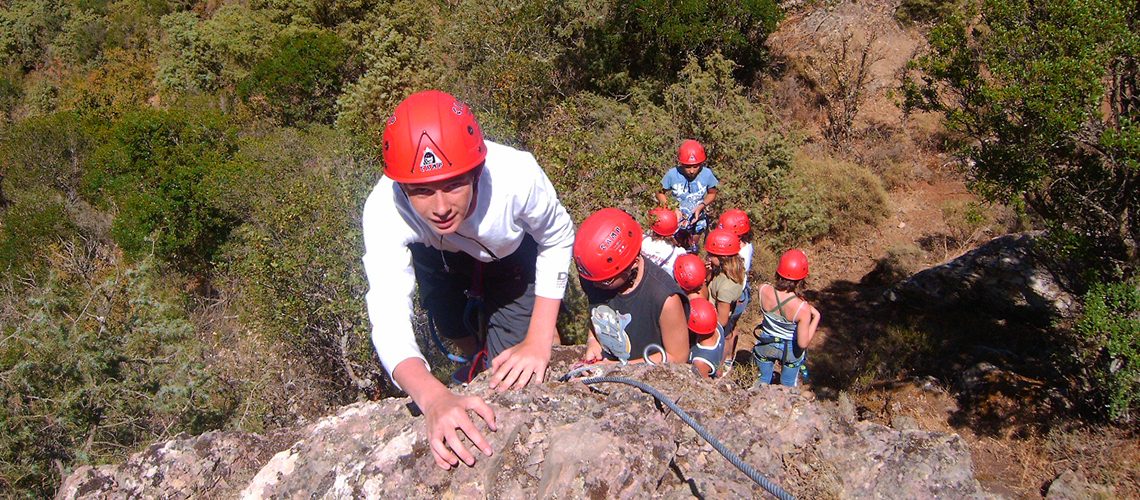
(793, 265)
(431, 136)
(664, 221)
(702, 316)
(689, 271)
(735, 220)
(691, 153)
(606, 244)
(722, 242)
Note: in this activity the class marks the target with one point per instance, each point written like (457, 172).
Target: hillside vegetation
(181, 182)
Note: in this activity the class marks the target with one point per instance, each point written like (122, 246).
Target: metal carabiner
(651, 347)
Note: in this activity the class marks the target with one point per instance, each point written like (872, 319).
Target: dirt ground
(1020, 437)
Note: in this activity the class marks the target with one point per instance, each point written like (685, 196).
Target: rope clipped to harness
(753, 474)
(442, 348)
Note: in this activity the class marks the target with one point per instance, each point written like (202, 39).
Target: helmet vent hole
(386, 145)
(609, 259)
(470, 130)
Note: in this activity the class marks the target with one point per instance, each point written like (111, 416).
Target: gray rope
(732, 457)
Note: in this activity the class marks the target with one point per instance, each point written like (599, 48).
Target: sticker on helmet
(430, 161)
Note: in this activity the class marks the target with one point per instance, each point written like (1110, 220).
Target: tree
(301, 79)
(165, 172)
(652, 38)
(1044, 95)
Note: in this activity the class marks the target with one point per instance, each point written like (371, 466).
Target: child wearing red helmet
(727, 283)
(659, 245)
(737, 221)
(708, 337)
(637, 312)
(693, 187)
(691, 273)
(789, 322)
(433, 222)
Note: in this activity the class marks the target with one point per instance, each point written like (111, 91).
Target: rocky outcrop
(564, 440)
(1008, 276)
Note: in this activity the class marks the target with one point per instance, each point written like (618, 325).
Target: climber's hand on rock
(446, 415)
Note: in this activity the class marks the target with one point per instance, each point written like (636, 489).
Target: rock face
(563, 440)
(1008, 276)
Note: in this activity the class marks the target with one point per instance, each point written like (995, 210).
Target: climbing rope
(732, 457)
(439, 344)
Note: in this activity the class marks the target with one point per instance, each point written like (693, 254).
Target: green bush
(300, 79)
(925, 11)
(32, 223)
(46, 151)
(91, 369)
(399, 56)
(825, 197)
(1110, 328)
(297, 261)
(164, 172)
(654, 38)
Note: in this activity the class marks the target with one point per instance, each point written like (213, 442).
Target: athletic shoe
(466, 373)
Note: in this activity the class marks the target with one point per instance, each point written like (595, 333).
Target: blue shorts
(772, 349)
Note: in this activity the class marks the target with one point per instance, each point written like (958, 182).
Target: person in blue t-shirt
(693, 187)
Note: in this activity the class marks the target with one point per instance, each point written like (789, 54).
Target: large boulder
(1009, 276)
(567, 440)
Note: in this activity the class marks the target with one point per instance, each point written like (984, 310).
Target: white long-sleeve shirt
(514, 198)
(660, 252)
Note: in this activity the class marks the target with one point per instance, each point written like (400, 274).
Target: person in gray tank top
(789, 322)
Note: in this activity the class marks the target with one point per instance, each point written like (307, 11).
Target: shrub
(965, 220)
(825, 197)
(300, 80)
(118, 83)
(46, 152)
(297, 261)
(187, 64)
(32, 223)
(399, 57)
(900, 263)
(1109, 330)
(653, 38)
(164, 172)
(93, 367)
(925, 11)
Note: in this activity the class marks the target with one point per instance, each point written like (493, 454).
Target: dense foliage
(1110, 328)
(1045, 97)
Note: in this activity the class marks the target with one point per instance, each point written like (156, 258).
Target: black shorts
(505, 286)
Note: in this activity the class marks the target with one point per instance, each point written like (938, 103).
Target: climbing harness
(474, 316)
(753, 474)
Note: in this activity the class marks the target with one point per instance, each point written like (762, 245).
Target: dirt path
(905, 369)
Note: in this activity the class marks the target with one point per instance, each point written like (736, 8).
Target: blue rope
(732, 457)
(439, 344)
